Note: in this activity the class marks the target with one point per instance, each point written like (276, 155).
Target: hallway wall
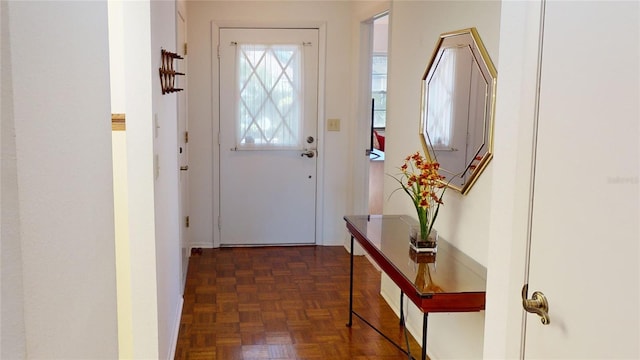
(334, 157)
(150, 323)
(166, 187)
(463, 220)
(12, 336)
(60, 208)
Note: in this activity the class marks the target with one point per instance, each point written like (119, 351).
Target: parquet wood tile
(283, 303)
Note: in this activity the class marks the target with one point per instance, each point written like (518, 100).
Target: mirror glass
(457, 110)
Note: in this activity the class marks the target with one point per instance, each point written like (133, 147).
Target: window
(269, 96)
(379, 90)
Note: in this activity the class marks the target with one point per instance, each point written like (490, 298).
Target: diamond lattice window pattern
(269, 96)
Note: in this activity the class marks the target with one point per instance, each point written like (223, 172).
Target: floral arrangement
(420, 179)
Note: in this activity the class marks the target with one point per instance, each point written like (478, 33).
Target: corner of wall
(13, 342)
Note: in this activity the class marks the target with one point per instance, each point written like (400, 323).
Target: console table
(447, 281)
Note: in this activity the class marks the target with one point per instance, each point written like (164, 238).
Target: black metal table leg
(401, 309)
(404, 328)
(351, 287)
(425, 319)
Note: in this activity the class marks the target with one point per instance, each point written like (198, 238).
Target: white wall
(381, 36)
(58, 256)
(415, 27)
(138, 71)
(203, 121)
(152, 182)
(362, 13)
(120, 190)
(515, 107)
(463, 220)
(12, 336)
(168, 261)
(123, 253)
(59, 192)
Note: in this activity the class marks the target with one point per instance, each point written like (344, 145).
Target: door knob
(308, 153)
(537, 304)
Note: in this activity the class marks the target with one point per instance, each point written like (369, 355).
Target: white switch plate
(333, 124)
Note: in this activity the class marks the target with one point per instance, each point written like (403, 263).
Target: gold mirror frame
(458, 106)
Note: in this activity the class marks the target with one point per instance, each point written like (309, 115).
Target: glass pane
(379, 83)
(379, 119)
(380, 100)
(379, 64)
(269, 96)
(379, 89)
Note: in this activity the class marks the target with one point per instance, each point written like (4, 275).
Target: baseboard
(394, 304)
(201, 246)
(176, 331)
(210, 246)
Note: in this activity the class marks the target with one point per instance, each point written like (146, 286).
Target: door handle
(308, 153)
(537, 304)
(184, 168)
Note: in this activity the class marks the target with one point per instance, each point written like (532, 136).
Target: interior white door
(268, 136)
(584, 235)
(183, 149)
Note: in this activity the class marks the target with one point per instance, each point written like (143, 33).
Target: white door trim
(363, 114)
(520, 29)
(360, 180)
(183, 197)
(215, 113)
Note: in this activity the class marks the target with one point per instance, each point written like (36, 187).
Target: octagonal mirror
(457, 110)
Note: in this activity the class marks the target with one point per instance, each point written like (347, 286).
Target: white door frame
(360, 182)
(363, 123)
(183, 201)
(215, 107)
(514, 137)
(360, 185)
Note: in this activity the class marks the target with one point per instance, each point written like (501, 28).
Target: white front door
(585, 236)
(268, 136)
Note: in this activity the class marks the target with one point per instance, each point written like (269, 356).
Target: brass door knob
(537, 304)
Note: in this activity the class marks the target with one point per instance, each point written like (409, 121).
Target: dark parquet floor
(283, 303)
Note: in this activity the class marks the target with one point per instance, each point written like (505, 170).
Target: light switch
(333, 125)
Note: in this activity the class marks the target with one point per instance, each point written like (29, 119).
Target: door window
(269, 96)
